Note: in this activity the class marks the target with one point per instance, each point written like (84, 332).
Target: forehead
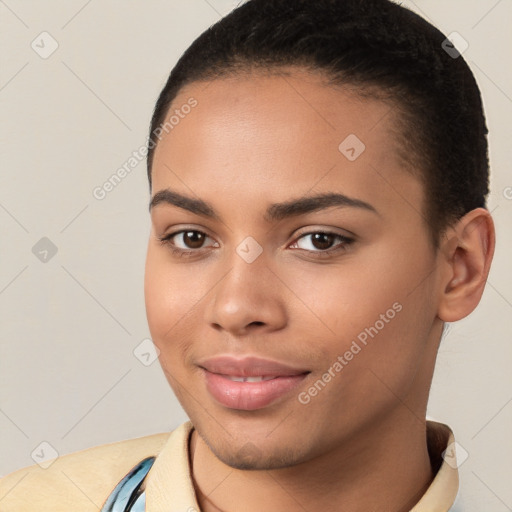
(267, 138)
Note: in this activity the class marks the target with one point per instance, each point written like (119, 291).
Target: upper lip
(249, 366)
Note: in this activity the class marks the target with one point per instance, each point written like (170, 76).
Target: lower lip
(249, 396)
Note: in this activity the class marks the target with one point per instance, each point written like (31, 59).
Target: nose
(249, 298)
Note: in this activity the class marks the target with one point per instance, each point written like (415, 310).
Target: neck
(384, 467)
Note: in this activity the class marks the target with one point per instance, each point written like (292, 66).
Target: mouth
(249, 383)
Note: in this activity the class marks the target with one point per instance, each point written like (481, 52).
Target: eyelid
(346, 241)
(324, 229)
(167, 236)
(180, 228)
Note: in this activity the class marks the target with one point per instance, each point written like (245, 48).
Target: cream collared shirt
(82, 481)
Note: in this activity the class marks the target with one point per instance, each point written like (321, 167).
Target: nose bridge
(249, 270)
(248, 293)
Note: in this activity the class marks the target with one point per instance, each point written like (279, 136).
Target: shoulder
(79, 481)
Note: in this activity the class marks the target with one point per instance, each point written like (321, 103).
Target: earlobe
(467, 255)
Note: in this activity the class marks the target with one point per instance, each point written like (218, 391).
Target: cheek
(175, 297)
(168, 298)
(344, 298)
(167, 310)
(368, 309)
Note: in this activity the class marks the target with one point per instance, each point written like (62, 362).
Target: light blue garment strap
(127, 496)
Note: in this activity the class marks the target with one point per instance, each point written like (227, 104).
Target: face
(292, 291)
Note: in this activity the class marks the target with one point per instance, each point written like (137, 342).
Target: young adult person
(318, 175)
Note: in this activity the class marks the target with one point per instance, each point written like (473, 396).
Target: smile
(249, 383)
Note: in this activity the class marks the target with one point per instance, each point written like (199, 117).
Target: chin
(251, 457)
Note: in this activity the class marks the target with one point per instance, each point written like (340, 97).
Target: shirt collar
(169, 486)
(442, 492)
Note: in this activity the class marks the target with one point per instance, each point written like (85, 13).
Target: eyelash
(165, 240)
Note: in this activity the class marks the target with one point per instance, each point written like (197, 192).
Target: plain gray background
(70, 324)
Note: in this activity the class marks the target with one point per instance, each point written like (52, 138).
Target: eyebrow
(275, 212)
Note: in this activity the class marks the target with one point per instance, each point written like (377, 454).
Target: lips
(249, 383)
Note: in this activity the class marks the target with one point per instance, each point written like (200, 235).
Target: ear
(466, 254)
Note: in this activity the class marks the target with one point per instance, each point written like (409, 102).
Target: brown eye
(322, 243)
(193, 239)
(186, 242)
